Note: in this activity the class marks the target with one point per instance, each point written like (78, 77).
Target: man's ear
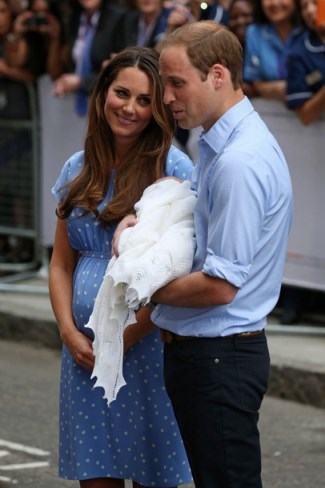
(218, 75)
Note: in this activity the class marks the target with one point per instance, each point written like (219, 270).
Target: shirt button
(216, 360)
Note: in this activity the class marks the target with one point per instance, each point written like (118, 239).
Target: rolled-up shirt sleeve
(236, 218)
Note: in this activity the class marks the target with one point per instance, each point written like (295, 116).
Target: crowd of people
(71, 41)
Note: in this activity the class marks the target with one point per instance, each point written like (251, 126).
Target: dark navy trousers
(216, 387)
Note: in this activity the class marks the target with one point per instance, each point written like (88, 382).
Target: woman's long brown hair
(146, 160)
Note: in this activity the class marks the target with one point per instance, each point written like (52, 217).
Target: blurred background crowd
(71, 40)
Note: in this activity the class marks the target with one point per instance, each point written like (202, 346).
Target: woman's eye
(121, 93)
(145, 101)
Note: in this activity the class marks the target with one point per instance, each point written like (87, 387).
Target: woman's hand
(67, 83)
(128, 221)
(81, 349)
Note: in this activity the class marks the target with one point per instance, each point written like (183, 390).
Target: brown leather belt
(167, 337)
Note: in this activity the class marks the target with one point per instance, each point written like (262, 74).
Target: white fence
(62, 134)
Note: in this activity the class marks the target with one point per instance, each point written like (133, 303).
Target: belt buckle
(250, 333)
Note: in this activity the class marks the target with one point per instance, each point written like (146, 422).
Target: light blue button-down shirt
(242, 220)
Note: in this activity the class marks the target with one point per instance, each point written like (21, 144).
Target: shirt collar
(92, 22)
(217, 136)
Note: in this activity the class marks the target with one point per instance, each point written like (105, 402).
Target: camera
(36, 21)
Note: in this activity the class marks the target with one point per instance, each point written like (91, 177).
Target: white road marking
(37, 464)
(23, 448)
(5, 478)
(4, 453)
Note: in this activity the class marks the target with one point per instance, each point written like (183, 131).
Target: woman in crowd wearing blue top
(268, 41)
(42, 25)
(127, 147)
(306, 68)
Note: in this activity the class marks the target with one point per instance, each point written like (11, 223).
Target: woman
(241, 15)
(127, 147)
(41, 24)
(17, 75)
(91, 31)
(306, 68)
(142, 26)
(268, 41)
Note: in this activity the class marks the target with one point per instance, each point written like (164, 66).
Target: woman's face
(90, 5)
(309, 12)
(128, 108)
(149, 6)
(5, 18)
(40, 6)
(278, 11)
(241, 15)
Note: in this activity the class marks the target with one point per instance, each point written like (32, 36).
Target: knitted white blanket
(158, 249)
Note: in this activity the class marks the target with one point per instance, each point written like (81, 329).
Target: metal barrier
(19, 191)
(30, 161)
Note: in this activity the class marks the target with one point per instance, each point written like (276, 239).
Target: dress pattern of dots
(137, 437)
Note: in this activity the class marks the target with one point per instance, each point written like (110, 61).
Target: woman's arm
(128, 221)
(62, 266)
(313, 108)
(272, 90)
(57, 51)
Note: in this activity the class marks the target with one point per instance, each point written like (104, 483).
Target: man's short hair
(208, 43)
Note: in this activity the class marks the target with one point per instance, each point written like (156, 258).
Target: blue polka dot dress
(136, 437)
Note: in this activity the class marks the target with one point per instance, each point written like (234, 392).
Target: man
(213, 320)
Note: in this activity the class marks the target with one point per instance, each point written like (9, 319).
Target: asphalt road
(293, 435)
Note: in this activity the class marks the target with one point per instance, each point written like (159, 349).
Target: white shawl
(158, 249)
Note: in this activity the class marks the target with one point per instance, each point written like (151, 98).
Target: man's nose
(168, 95)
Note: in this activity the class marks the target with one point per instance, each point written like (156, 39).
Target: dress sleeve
(178, 164)
(70, 170)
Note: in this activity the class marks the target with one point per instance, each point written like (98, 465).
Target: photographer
(41, 26)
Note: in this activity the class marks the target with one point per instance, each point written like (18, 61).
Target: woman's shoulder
(254, 29)
(260, 32)
(75, 162)
(178, 164)
(71, 168)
